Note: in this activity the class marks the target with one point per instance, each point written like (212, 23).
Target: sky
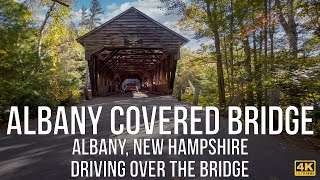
(111, 8)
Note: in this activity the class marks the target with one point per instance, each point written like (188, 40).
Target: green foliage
(195, 69)
(268, 44)
(24, 79)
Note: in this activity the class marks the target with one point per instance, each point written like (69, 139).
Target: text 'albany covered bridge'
(132, 46)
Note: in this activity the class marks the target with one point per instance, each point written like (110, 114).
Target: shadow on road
(43, 157)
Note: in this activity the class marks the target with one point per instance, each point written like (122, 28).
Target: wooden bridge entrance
(132, 45)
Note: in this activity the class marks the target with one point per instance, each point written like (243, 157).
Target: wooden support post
(196, 95)
(92, 75)
(173, 71)
(164, 72)
(158, 75)
(161, 73)
(273, 96)
(169, 69)
(96, 75)
(155, 75)
(151, 82)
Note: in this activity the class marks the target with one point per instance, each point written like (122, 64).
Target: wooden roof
(131, 23)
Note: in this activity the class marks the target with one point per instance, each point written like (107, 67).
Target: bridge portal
(132, 46)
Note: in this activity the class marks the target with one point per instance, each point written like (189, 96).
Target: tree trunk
(259, 73)
(289, 27)
(222, 97)
(232, 69)
(231, 50)
(271, 35)
(225, 52)
(247, 52)
(265, 29)
(213, 25)
(41, 30)
(257, 69)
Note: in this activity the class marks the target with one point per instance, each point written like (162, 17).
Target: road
(50, 156)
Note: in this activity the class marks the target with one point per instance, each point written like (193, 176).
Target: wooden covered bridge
(132, 46)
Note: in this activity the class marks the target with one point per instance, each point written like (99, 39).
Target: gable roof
(184, 40)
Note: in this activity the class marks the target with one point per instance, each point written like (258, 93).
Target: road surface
(49, 157)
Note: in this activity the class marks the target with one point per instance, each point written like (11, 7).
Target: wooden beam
(112, 62)
(112, 65)
(119, 61)
(125, 64)
(107, 59)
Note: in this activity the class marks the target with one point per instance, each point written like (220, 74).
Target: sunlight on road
(139, 95)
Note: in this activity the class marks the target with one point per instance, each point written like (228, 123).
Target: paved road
(49, 157)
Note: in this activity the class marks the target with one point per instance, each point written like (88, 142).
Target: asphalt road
(50, 156)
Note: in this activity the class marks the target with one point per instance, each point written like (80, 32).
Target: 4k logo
(305, 168)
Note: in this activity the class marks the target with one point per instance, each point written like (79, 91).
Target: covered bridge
(132, 45)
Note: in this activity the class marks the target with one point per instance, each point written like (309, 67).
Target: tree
(85, 21)
(24, 81)
(195, 78)
(95, 10)
(256, 57)
(289, 25)
(213, 14)
(42, 29)
(206, 19)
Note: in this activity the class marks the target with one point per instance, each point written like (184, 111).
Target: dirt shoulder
(309, 142)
